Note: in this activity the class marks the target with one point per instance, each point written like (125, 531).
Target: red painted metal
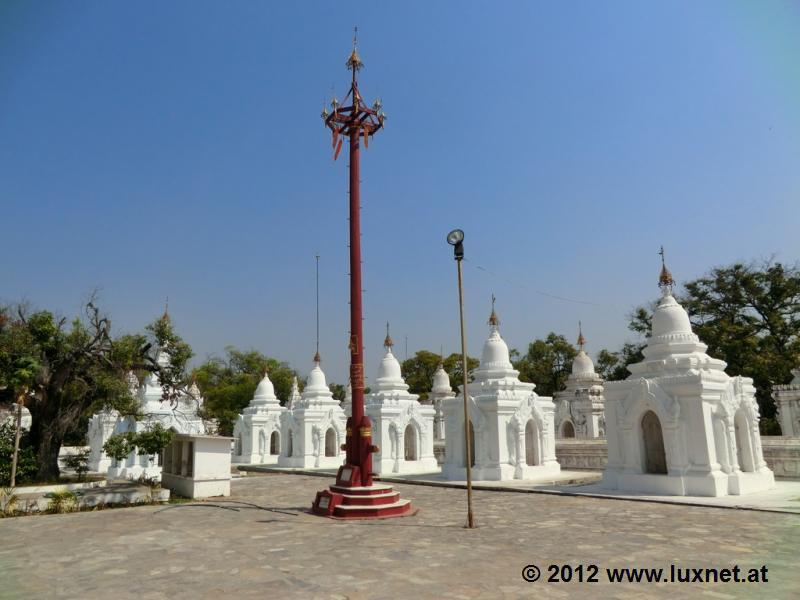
(355, 121)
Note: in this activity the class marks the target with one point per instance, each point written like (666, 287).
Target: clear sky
(153, 149)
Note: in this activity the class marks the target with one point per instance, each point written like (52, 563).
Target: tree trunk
(47, 434)
(17, 435)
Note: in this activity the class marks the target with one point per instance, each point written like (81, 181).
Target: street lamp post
(456, 239)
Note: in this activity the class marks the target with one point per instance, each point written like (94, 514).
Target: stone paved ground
(184, 551)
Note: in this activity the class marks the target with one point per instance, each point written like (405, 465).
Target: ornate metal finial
(354, 62)
(317, 359)
(388, 343)
(493, 320)
(581, 339)
(665, 280)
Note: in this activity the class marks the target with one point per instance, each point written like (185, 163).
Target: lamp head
(455, 238)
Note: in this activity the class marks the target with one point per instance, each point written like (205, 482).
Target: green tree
(26, 459)
(81, 368)
(547, 363)
(339, 391)
(419, 369)
(228, 383)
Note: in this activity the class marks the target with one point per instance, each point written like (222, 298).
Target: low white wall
(782, 455)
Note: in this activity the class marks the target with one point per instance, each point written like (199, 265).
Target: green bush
(119, 445)
(78, 462)
(150, 441)
(26, 460)
(154, 439)
(61, 502)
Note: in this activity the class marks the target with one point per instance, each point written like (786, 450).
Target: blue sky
(157, 149)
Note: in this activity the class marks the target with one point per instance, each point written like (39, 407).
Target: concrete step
(371, 500)
(381, 511)
(378, 488)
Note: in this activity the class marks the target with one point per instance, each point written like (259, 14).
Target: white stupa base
(310, 461)
(504, 472)
(256, 459)
(713, 484)
(391, 466)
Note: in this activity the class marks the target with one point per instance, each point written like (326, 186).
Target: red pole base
(348, 499)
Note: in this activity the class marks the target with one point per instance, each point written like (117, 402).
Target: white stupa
(294, 394)
(179, 415)
(257, 431)
(579, 407)
(513, 429)
(101, 427)
(679, 425)
(787, 400)
(440, 391)
(402, 427)
(314, 429)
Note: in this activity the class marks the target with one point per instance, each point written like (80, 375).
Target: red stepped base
(377, 501)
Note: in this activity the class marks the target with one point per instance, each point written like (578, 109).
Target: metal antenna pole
(317, 257)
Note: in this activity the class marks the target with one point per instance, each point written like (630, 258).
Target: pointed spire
(665, 280)
(493, 320)
(354, 61)
(581, 339)
(165, 316)
(388, 343)
(317, 358)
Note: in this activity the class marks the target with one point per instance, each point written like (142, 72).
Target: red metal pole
(356, 340)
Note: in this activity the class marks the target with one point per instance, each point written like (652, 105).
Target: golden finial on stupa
(581, 339)
(665, 280)
(388, 343)
(493, 320)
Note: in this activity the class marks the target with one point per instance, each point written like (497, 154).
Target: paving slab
(261, 543)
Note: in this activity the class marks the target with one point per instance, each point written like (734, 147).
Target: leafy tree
(418, 371)
(153, 439)
(228, 384)
(148, 442)
(120, 445)
(26, 459)
(547, 363)
(78, 462)
(80, 368)
(339, 391)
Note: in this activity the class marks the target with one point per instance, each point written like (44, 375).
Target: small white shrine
(679, 425)
(313, 429)
(257, 431)
(440, 392)
(512, 430)
(180, 415)
(402, 427)
(579, 407)
(787, 400)
(197, 466)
